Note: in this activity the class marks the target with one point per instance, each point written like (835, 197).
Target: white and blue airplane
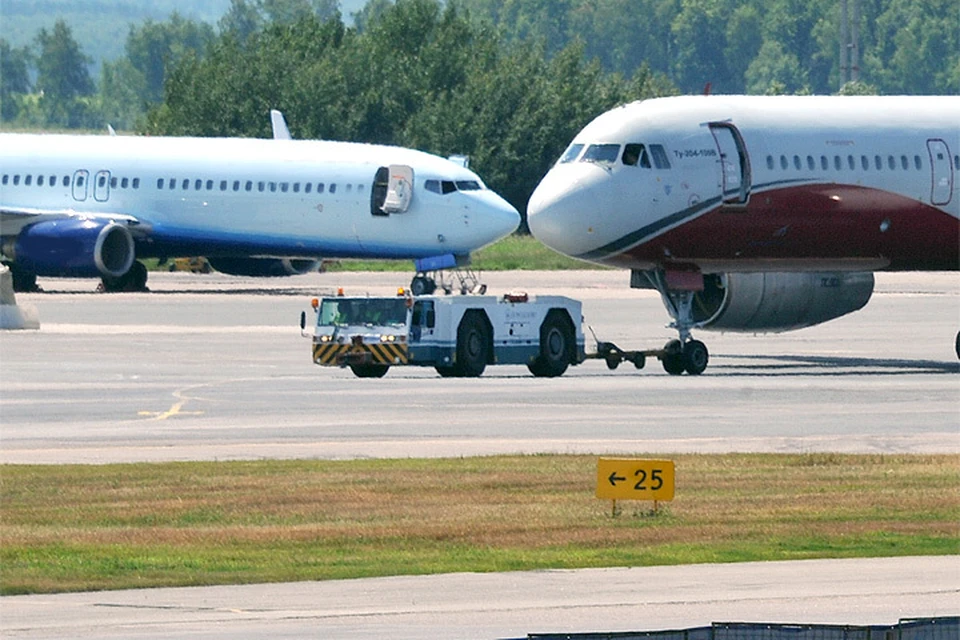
(756, 213)
(92, 206)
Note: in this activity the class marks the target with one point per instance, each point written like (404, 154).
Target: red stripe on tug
(811, 224)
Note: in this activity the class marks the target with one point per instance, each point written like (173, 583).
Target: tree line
(508, 83)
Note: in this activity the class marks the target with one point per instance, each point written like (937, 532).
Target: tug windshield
(369, 312)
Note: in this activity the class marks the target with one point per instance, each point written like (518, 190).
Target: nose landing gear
(677, 290)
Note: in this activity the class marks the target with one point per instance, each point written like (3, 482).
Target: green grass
(84, 527)
(515, 252)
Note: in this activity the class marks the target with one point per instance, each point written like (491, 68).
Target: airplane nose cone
(498, 218)
(560, 210)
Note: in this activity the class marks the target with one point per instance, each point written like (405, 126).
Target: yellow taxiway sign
(635, 479)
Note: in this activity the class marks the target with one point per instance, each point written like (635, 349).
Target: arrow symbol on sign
(614, 478)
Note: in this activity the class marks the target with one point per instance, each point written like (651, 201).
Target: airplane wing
(14, 219)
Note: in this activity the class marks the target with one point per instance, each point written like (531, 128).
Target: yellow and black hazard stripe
(333, 354)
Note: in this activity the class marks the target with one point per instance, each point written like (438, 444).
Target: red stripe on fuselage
(826, 223)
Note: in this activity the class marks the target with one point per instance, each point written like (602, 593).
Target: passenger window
(6, 179)
(261, 186)
(770, 162)
(891, 163)
(66, 181)
(308, 187)
(878, 162)
(917, 162)
(333, 188)
(796, 163)
(136, 183)
(349, 188)
(296, 187)
(571, 154)
(904, 163)
(284, 186)
(248, 186)
(851, 163)
(197, 184)
(865, 163)
(125, 183)
(956, 162)
(660, 158)
(52, 181)
(236, 185)
(223, 185)
(320, 187)
(113, 182)
(159, 183)
(185, 185)
(783, 162)
(603, 153)
(209, 185)
(811, 165)
(28, 180)
(824, 164)
(16, 180)
(273, 187)
(836, 163)
(39, 181)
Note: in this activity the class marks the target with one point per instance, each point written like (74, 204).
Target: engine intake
(75, 247)
(264, 267)
(776, 302)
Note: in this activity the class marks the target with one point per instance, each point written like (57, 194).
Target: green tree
(155, 47)
(63, 78)
(14, 78)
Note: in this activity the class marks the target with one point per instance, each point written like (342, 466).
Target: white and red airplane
(757, 213)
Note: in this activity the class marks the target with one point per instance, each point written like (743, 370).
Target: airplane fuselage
(249, 197)
(747, 184)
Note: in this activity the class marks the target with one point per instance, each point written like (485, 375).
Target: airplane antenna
(707, 87)
(279, 124)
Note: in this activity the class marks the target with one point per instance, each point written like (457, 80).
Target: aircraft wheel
(446, 372)
(473, 345)
(695, 357)
(23, 281)
(673, 360)
(369, 370)
(612, 363)
(422, 285)
(556, 340)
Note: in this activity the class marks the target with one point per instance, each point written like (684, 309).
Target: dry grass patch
(115, 526)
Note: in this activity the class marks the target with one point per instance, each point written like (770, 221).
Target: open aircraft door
(734, 163)
(941, 190)
(392, 190)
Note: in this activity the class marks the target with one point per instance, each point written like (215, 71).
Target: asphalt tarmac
(214, 368)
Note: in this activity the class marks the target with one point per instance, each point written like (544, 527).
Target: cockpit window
(660, 158)
(445, 187)
(572, 153)
(636, 155)
(601, 153)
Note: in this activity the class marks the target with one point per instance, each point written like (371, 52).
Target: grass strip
(86, 527)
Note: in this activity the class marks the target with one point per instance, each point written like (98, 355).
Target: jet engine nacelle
(264, 267)
(775, 302)
(75, 247)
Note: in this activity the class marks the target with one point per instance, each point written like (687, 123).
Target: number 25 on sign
(635, 479)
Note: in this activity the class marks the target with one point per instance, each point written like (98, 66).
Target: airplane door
(101, 186)
(399, 189)
(734, 163)
(941, 190)
(80, 179)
